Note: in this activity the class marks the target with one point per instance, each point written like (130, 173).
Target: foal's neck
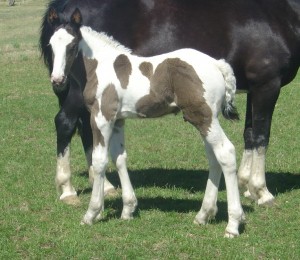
(99, 45)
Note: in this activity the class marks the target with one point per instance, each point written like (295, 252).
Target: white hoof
(230, 235)
(199, 222)
(67, 194)
(127, 212)
(70, 198)
(205, 215)
(85, 222)
(266, 200)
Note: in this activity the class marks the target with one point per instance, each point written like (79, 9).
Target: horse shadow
(191, 181)
(195, 180)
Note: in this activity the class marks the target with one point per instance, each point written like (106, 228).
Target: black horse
(259, 38)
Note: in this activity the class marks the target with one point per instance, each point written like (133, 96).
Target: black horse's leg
(87, 142)
(246, 163)
(65, 123)
(263, 104)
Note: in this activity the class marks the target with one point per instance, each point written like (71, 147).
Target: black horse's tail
(229, 110)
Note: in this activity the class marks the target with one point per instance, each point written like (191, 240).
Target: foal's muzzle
(58, 83)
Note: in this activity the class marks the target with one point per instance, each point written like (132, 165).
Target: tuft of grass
(167, 166)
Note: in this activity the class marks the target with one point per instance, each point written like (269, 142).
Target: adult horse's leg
(263, 102)
(119, 156)
(263, 106)
(66, 123)
(246, 162)
(224, 155)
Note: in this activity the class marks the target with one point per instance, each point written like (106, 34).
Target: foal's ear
(53, 16)
(76, 17)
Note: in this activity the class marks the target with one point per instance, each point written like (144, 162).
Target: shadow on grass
(282, 182)
(170, 205)
(195, 180)
(190, 180)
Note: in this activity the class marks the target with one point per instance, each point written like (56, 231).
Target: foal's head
(64, 43)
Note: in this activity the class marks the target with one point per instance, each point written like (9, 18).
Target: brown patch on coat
(123, 69)
(176, 81)
(97, 135)
(109, 102)
(91, 85)
(147, 69)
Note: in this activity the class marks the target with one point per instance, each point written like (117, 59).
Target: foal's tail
(229, 110)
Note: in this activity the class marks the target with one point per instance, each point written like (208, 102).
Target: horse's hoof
(199, 222)
(72, 200)
(127, 216)
(230, 235)
(267, 200)
(86, 221)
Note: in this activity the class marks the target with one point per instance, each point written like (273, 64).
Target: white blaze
(59, 42)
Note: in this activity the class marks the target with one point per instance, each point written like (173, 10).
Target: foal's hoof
(86, 221)
(72, 200)
(199, 222)
(230, 235)
(267, 201)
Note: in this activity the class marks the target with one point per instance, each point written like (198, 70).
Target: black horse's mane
(46, 31)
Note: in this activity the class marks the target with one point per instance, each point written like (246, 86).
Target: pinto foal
(126, 86)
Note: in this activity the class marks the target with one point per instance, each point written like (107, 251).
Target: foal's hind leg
(119, 156)
(224, 152)
(209, 205)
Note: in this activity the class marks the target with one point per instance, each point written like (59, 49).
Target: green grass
(167, 165)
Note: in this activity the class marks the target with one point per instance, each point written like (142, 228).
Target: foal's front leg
(87, 141)
(102, 131)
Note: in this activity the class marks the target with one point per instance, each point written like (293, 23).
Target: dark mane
(46, 32)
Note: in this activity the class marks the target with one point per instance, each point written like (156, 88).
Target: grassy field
(167, 165)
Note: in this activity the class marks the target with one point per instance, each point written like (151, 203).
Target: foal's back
(163, 84)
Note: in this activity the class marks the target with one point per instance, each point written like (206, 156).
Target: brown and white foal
(128, 86)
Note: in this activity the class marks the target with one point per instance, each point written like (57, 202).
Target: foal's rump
(197, 84)
(215, 79)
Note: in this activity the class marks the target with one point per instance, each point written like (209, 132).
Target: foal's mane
(103, 40)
